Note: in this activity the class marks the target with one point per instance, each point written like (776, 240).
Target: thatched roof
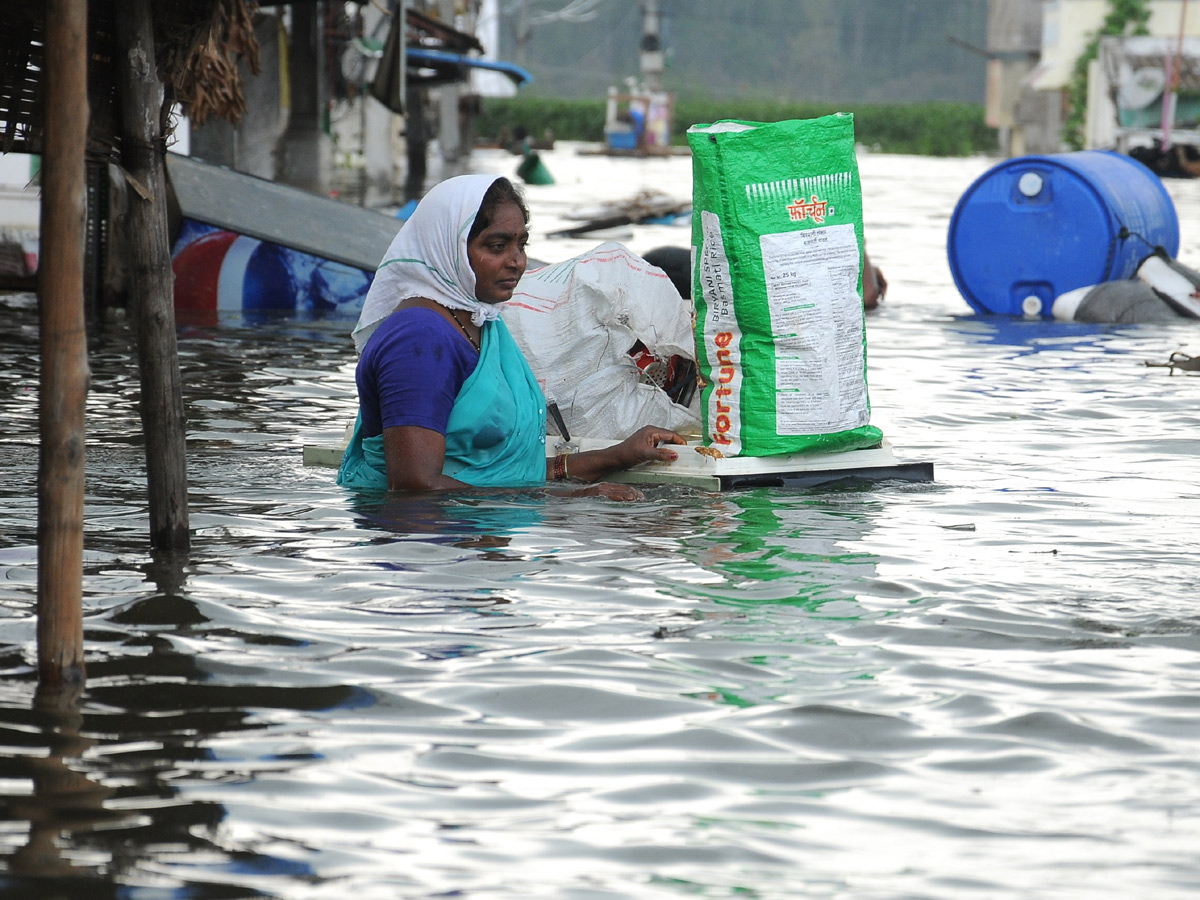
(196, 42)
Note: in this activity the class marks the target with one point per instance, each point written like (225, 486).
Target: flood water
(988, 686)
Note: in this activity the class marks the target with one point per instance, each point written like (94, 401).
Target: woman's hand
(641, 446)
(644, 445)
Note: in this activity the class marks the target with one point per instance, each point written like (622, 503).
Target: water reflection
(764, 536)
(773, 546)
(461, 521)
(62, 801)
(1029, 335)
(104, 790)
(101, 794)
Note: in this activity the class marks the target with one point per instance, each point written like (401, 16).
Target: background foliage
(934, 129)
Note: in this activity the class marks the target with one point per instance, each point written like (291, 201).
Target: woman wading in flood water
(446, 400)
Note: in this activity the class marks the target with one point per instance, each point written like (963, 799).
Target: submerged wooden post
(151, 293)
(64, 376)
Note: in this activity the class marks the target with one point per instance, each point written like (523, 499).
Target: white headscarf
(428, 257)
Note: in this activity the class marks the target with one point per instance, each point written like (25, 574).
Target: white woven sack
(576, 321)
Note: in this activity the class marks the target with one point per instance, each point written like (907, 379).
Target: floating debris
(1178, 360)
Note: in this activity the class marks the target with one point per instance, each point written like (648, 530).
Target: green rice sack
(777, 245)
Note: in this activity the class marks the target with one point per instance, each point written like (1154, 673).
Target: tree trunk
(64, 379)
(151, 283)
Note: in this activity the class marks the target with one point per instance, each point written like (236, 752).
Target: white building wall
(1068, 25)
(487, 29)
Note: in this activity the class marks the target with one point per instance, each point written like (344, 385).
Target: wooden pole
(1171, 88)
(151, 292)
(64, 376)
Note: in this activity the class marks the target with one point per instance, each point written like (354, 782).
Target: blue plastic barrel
(1034, 227)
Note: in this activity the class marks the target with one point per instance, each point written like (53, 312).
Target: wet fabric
(496, 433)
(428, 257)
(411, 371)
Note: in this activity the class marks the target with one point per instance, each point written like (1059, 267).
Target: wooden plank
(325, 456)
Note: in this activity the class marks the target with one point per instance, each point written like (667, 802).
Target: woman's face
(497, 254)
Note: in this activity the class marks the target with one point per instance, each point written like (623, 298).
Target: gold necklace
(474, 343)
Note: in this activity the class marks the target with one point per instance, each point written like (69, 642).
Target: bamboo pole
(64, 374)
(151, 281)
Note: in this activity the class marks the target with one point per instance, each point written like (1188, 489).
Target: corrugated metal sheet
(280, 214)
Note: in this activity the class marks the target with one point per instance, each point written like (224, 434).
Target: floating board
(791, 470)
(695, 469)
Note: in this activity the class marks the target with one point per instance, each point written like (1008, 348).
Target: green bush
(570, 120)
(929, 129)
